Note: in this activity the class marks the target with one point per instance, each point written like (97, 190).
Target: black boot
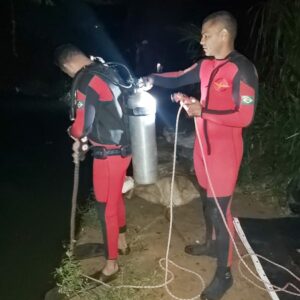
(208, 249)
(221, 282)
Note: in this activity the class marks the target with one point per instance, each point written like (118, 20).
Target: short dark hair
(64, 53)
(226, 18)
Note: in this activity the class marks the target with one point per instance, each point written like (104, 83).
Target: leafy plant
(88, 213)
(128, 277)
(274, 139)
(70, 278)
(190, 35)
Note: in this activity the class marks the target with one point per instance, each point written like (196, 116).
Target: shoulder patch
(79, 104)
(247, 100)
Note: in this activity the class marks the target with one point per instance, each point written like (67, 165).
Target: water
(36, 183)
(36, 188)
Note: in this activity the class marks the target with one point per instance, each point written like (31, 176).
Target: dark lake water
(36, 189)
(36, 181)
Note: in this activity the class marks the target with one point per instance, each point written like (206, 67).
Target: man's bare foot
(122, 244)
(110, 267)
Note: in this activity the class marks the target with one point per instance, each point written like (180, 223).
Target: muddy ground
(148, 228)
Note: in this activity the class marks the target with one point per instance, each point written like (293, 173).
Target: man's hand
(80, 148)
(191, 105)
(194, 108)
(179, 97)
(147, 83)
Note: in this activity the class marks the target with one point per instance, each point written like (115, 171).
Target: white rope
(169, 276)
(241, 260)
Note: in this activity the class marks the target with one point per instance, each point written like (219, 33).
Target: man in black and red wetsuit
(228, 85)
(100, 118)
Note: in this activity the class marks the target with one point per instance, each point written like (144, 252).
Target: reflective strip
(255, 259)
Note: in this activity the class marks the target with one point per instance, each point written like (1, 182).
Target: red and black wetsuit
(99, 116)
(228, 97)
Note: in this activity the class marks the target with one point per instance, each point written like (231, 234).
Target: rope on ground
(271, 287)
(164, 262)
(169, 276)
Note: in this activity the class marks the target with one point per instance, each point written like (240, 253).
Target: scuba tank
(140, 109)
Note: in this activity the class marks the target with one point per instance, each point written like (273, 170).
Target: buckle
(125, 151)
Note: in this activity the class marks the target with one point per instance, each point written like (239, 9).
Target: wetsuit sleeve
(177, 79)
(245, 92)
(85, 113)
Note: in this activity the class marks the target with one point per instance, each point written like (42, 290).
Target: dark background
(112, 32)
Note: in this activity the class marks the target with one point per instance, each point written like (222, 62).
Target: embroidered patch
(79, 104)
(221, 84)
(247, 100)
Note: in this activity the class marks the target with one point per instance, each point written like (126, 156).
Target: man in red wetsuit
(228, 85)
(100, 119)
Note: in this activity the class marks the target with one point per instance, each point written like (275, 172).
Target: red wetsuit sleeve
(246, 89)
(177, 79)
(96, 90)
(77, 128)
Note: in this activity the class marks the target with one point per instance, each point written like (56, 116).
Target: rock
(184, 191)
(184, 139)
(53, 294)
(185, 153)
(185, 144)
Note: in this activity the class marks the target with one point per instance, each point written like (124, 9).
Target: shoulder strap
(74, 87)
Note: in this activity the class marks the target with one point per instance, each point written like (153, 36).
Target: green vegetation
(73, 284)
(273, 141)
(128, 276)
(69, 277)
(88, 213)
(190, 35)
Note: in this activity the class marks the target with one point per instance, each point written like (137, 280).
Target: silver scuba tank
(141, 109)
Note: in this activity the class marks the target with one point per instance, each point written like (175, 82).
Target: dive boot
(207, 249)
(221, 282)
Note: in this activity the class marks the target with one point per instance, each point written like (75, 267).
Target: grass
(69, 277)
(74, 285)
(88, 213)
(128, 277)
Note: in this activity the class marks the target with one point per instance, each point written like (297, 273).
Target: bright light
(147, 101)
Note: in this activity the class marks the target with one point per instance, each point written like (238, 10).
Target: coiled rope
(165, 262)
